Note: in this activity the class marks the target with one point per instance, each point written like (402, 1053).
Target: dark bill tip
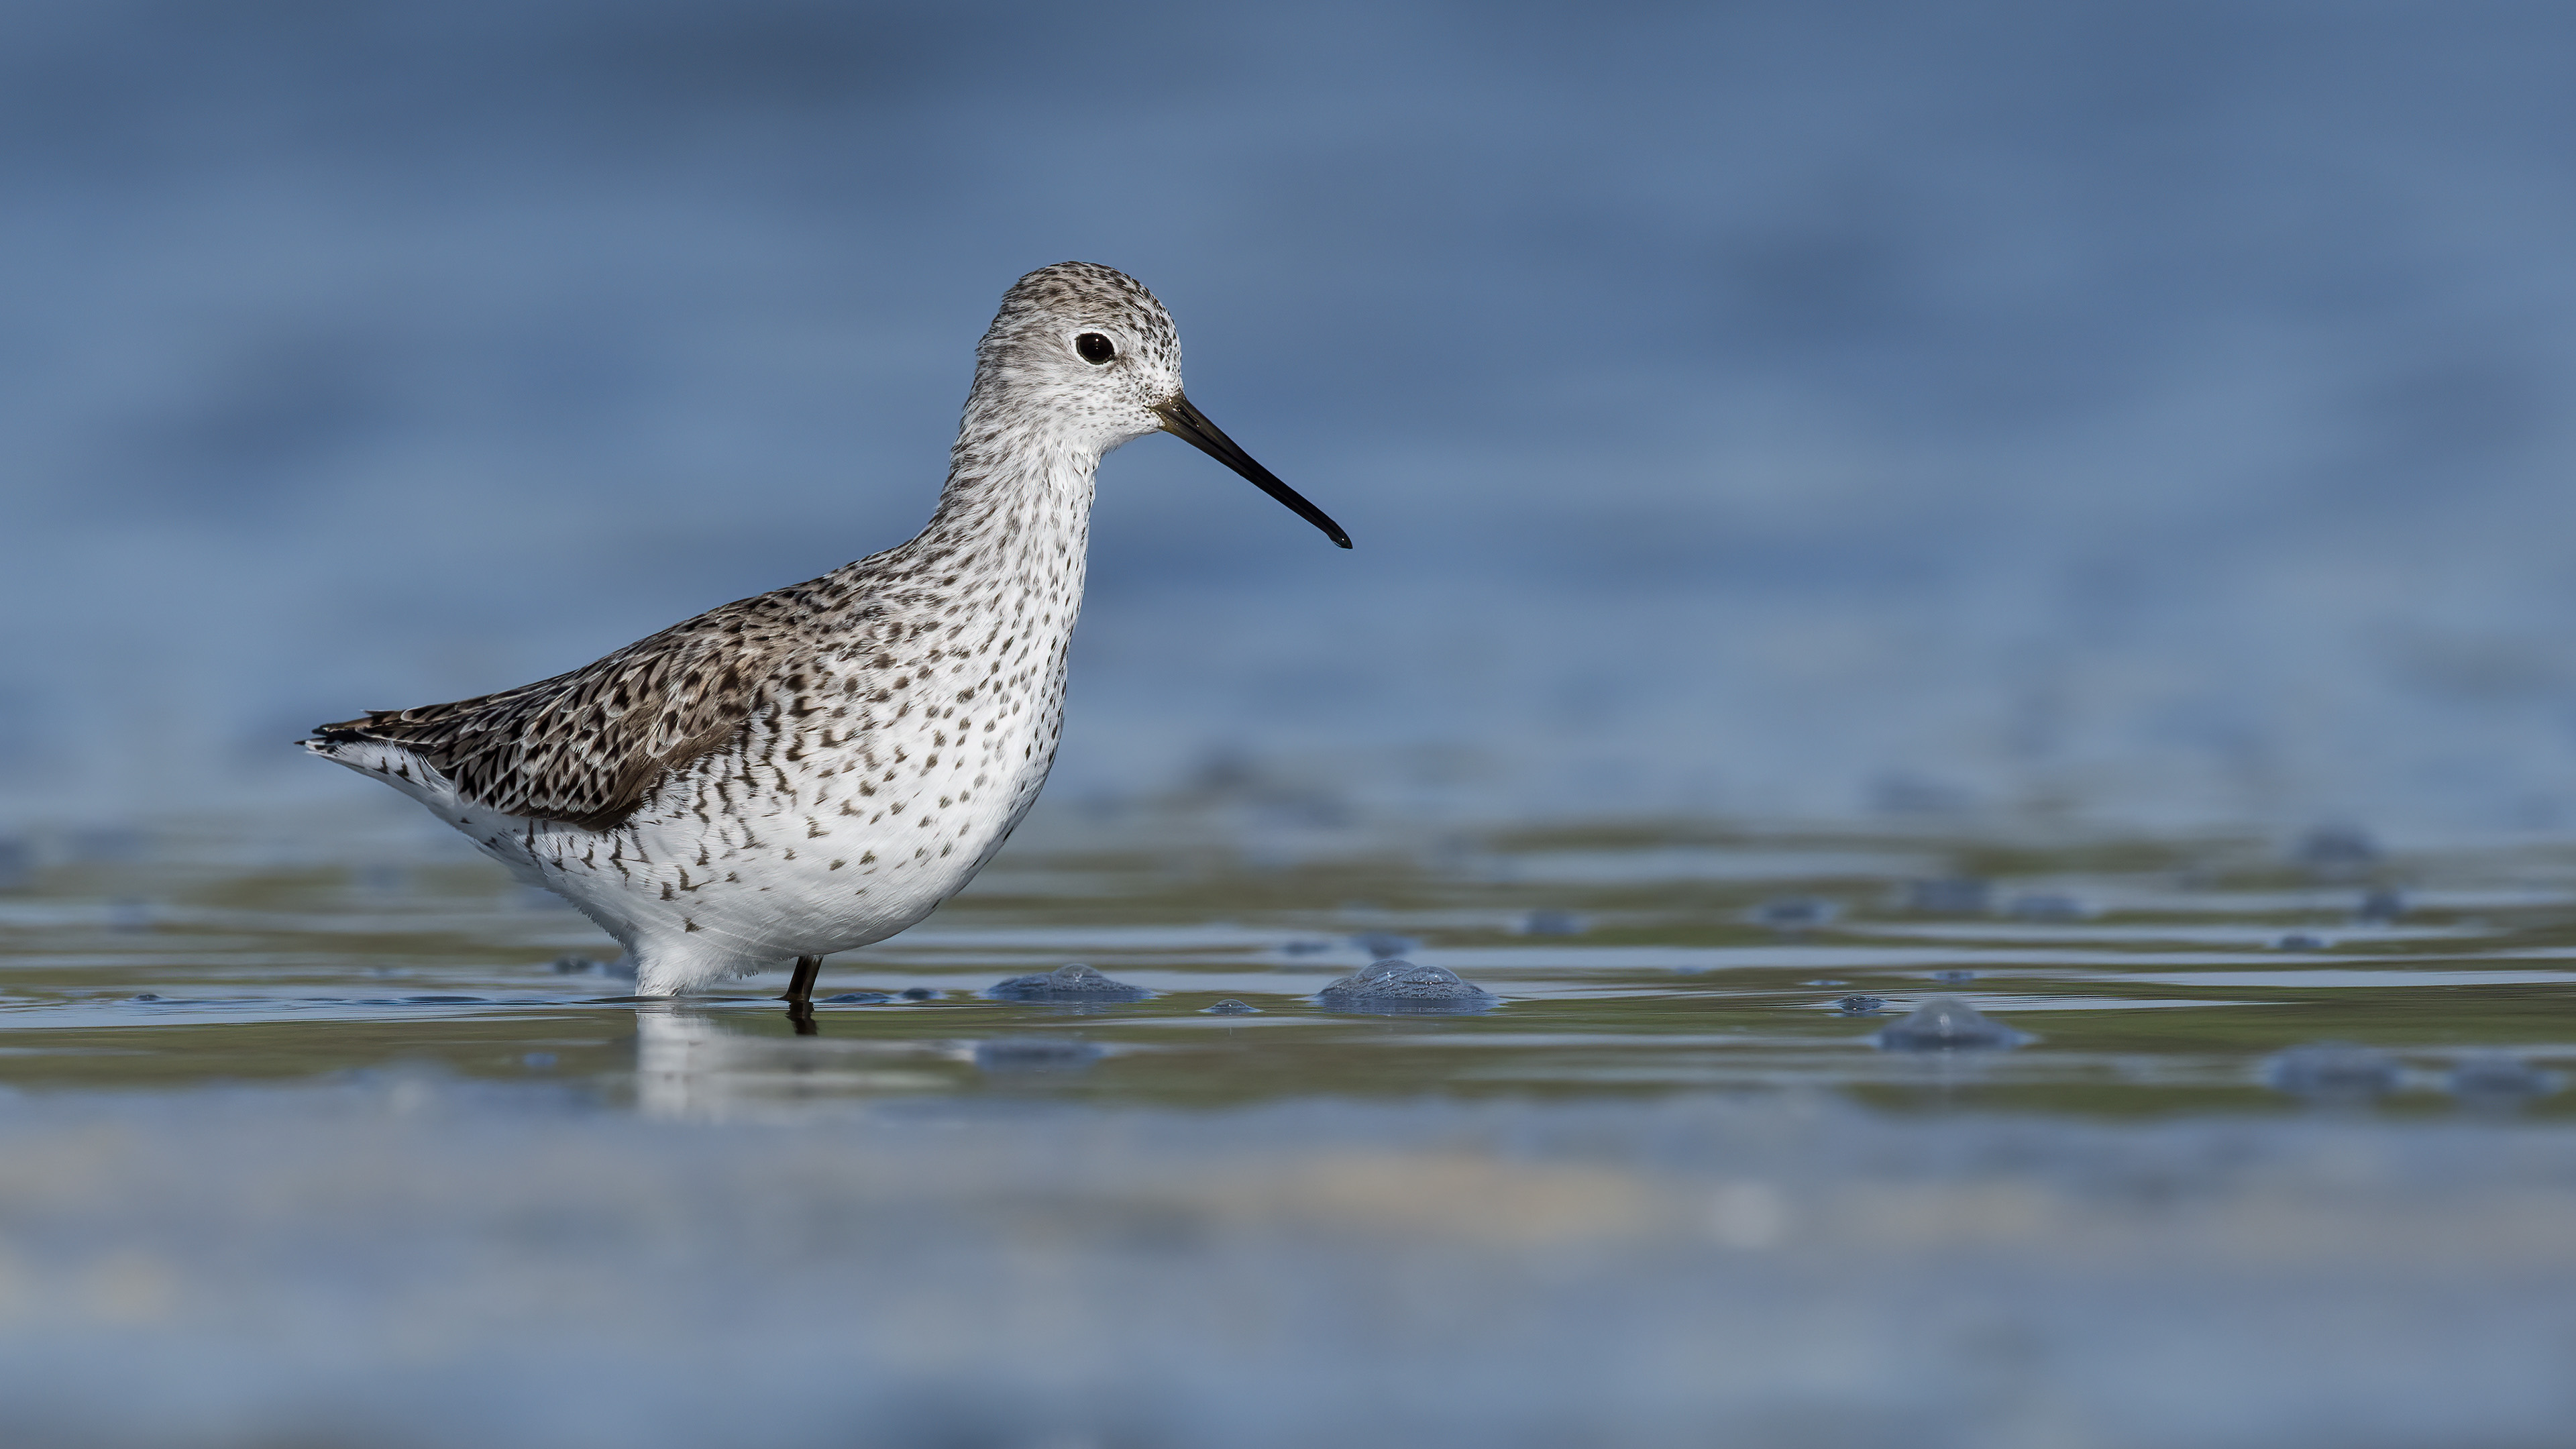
(1191, 426)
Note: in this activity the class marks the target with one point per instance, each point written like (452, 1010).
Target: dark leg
(800, 1015)
(800, 987)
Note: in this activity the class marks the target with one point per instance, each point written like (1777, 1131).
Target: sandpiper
(818, 768)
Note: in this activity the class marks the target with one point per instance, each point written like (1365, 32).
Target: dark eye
(1095, 349)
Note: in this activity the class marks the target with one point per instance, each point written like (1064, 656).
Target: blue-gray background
(2155, 411)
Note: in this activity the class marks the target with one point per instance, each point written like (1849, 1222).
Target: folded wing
(588, 747)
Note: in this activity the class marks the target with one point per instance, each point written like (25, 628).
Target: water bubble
(1954, 976)
(918, 993)
(1400, 985)
(2497, 1080)
(1382, 944)
(1791, 914)
(2045, 906)
(1915, 795)
(1546, 922)
(1231, 1007)
(1946, 1023)
(1072, 982)
(2336, 851)
(1825, 981)
(148, 996)
(858, 998)
(1861, 1003)
(2331, 1071)
(1954, 896)
(1307, 946)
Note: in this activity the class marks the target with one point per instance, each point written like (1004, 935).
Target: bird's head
(1089, 351)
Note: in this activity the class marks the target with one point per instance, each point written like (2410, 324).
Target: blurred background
(1902, 425)
(2148, 413)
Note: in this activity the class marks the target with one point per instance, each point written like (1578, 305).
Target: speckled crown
(1088, 292)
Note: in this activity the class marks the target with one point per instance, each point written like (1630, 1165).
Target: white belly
(744, 861)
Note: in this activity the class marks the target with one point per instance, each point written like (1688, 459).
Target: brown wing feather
(587, 747)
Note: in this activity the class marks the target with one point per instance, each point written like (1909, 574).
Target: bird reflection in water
(708, 1063)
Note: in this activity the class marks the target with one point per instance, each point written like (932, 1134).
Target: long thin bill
(1191, 426)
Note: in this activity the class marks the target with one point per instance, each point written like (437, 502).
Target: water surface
(2153, 977)
(375, 1150)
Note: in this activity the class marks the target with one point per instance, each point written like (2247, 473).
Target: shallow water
(324, 1153)
(2154, 977)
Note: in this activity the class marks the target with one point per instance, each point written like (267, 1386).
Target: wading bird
(818, 768)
